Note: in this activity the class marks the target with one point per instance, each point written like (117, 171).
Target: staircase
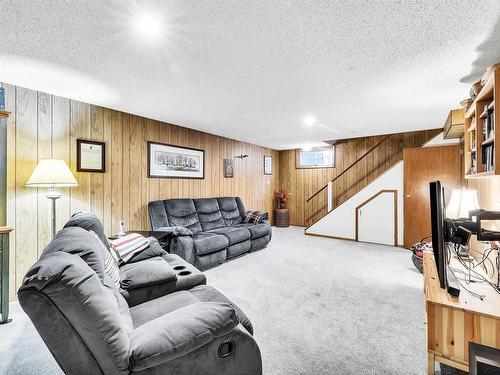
(381, 154)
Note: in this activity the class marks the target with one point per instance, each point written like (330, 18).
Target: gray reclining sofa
(90, 329)
(207, 231)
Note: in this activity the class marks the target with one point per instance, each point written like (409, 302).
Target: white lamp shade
(462, 201)
(51, 173)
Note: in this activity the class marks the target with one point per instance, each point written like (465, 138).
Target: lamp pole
(53, 195)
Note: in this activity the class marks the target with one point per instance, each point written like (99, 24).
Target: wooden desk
(454, 322)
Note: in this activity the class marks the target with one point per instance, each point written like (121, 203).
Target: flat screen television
(437, 225)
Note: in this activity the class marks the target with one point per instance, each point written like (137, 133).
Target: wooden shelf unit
(475, 121)
(453, 322)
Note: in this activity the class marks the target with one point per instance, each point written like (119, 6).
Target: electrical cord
(477, 295)
(470, 271)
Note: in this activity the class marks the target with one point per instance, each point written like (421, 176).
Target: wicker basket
(418, 262)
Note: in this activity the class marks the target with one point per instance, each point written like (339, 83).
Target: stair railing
(329, 185)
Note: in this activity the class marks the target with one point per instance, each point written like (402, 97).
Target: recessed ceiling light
(309, 120)
(149, 25)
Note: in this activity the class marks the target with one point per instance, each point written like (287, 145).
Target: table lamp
(461, 202)
(52, 173)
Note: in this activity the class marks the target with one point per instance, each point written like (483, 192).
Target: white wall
(341, 221)
(438, 140)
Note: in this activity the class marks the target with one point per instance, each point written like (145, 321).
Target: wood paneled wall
(43, 125)
(303, 183)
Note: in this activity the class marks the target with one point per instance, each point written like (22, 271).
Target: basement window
(320, 157)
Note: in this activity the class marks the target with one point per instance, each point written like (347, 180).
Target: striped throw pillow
(110, 262)
(129, 245)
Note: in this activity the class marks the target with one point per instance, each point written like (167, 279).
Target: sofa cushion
(158, 214)
(206, 243)
(230, 210)
(179, 332)
(157, 307)
(234, 234)
(79, 241)
(110, 262)
(206, 293)
(260, 243)
(153, 250)
(209, 213)
(145, 273)
(206, 261)
(182, 212)
(239, 248)
(256, 230)
(88, 221)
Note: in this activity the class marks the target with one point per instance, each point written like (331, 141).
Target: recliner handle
(226, 349)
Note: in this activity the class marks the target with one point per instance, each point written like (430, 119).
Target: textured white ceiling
(252, 70)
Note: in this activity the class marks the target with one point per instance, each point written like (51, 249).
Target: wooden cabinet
(481, 139)
(454, 125)
(4, 231)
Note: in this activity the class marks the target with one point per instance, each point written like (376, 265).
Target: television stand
(453, 322)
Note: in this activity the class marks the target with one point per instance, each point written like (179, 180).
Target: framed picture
(90, 156)
(169, 161)
(228, 168)
(268, 164)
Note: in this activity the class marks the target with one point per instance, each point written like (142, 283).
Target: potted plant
(281, 198)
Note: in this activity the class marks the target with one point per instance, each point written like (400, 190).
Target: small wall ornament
(228, 168)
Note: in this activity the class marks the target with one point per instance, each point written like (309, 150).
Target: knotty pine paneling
(43, 125)
(303, 183)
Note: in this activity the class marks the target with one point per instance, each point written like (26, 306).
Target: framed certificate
(90, 156)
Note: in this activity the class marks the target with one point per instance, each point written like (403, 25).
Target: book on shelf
(489, 157)
(489, 124)
(473, 162)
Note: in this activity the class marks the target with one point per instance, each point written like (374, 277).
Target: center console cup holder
(178, 268)
(184, 273)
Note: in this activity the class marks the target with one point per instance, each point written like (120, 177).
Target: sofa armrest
(145, 273)
(176, 231)
(177, 333)
(153, 250)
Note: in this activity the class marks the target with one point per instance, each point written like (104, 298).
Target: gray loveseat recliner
(207, 231)
(89, 328)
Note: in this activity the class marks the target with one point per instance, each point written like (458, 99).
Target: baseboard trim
(331, 237)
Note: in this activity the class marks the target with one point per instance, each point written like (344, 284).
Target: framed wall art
(90, 156)
(268, 165)
(170, 161)
(228, 168)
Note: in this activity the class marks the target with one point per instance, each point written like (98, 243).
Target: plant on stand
(281, 197)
